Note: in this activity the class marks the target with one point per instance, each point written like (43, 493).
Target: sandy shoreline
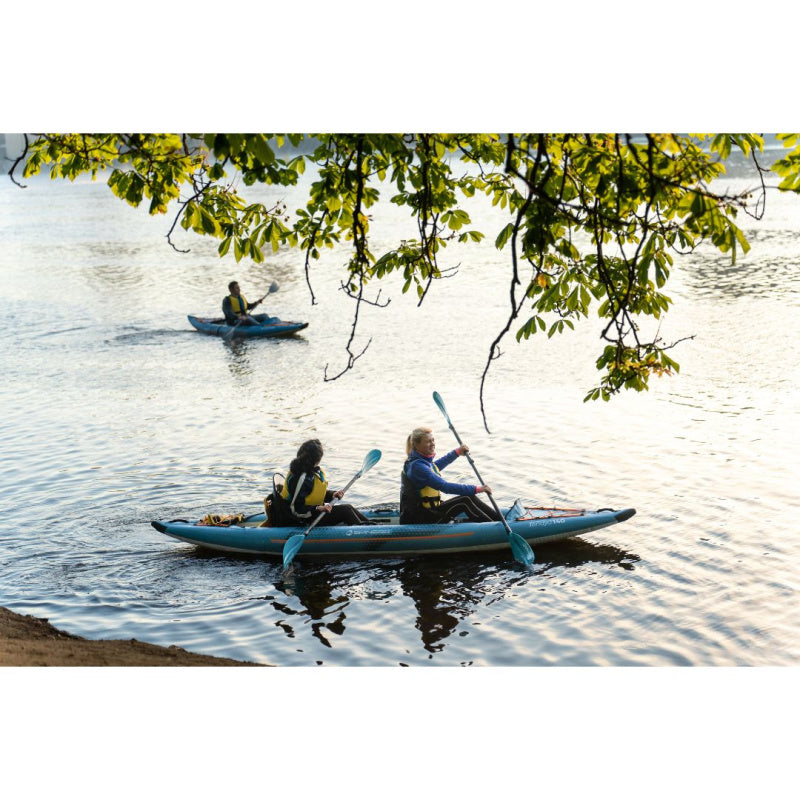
(27, 641)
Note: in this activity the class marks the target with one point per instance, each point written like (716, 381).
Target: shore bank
(27, 641)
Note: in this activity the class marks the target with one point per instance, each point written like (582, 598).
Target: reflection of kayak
(268, 326)
(386, 537)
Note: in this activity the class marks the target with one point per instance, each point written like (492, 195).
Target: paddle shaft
(333, 503)
(229, 334)
(519, 547)
(480, 479)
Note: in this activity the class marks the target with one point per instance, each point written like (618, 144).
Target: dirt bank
(27, 641)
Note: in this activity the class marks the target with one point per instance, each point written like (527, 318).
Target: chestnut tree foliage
(594, 221)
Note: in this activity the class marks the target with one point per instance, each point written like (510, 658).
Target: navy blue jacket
(420, 472)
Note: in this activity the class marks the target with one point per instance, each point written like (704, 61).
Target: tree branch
(18, 161)
(494, 349)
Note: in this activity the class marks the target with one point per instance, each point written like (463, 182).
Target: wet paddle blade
(521, 549)
(293, 544)
(437, 398)
(370, 460)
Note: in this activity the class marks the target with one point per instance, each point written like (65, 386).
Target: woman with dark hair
(307, 495)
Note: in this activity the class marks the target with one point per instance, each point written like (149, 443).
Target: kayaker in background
(237, 310)
(307, 495)
(422, 484)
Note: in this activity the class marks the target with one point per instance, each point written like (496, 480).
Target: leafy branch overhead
(594, 221)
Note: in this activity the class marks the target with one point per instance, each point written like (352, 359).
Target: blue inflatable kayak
(268, 326)
(386, 537)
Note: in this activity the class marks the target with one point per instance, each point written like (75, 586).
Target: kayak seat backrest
(278, 511)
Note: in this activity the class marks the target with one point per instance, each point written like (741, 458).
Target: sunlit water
(114, 412)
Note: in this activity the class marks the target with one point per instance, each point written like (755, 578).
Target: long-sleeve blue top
(421, 473)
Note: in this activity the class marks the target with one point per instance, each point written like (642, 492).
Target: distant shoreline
(27, 641)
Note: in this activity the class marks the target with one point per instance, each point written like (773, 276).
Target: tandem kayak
(386, 537)
(268, 326)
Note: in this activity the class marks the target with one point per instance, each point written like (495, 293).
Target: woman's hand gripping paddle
(228, 335)
(294, 543)
(519, 547)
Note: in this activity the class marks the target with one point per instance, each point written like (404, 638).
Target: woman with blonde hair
(422, 485)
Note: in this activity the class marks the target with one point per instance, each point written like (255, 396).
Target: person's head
(233, 288)
(309, 455)
(421, 440)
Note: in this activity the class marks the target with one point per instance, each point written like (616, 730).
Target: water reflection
(316, 593)
(442, 595)
(442, 598)
(445, 592)
(238, 353)
(246, 356)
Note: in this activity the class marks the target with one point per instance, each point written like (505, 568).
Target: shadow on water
(577, 553)
(445, 592)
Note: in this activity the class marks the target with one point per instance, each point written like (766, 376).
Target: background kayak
(271, 326)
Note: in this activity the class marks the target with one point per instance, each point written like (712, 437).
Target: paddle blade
(370, 460)
(437, 398)
(521, 549)
(273, 287)
(293, 544)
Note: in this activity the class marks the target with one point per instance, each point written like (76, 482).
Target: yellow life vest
(238, 304)
(316, 497)
(430, 497)
(427, 496)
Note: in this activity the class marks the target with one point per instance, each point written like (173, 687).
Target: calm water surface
(114, 412)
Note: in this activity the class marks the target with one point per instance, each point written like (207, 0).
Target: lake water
(115, 412)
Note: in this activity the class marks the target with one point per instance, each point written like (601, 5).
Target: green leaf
(504, 236)
(208, 223)
(261, 149)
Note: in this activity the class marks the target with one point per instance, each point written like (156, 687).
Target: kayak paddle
(294, 543)
(228, 335)
(273, 287)
(519, 547)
